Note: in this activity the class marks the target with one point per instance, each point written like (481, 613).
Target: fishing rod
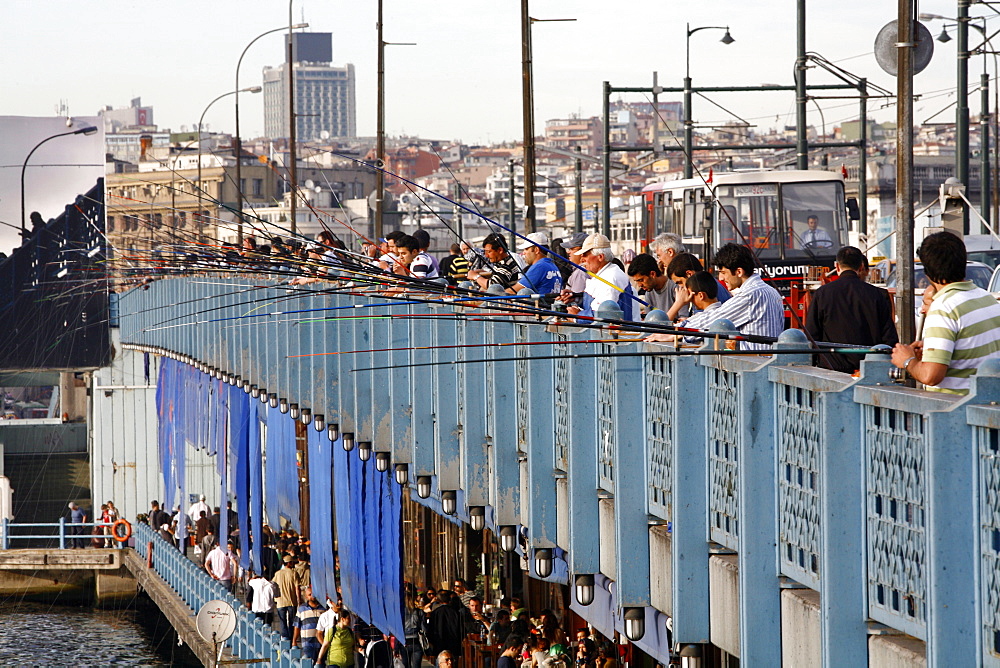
(491, 222)
(457, 346)
(667, 353)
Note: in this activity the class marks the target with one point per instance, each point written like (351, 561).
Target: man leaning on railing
(962, 327)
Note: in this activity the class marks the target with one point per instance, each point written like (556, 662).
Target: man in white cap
(194, 512)
(607, 281)
(542, 276)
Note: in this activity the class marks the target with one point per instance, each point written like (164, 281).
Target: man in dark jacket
(446, 626)
(848, 310)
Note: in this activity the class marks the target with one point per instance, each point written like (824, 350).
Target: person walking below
(288, 596)
(338, 644)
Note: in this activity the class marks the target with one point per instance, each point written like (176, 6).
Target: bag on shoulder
(425, 642)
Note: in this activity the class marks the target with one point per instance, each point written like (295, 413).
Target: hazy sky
(462, 80)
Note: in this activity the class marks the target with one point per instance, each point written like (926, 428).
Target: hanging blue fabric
(222, 460)
(272, 433)
(256, 515)
(239, 446)
(319, 513)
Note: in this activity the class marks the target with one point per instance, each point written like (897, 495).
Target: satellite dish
(324, 135)
(216, 621)
(310, 184)
(885, 47)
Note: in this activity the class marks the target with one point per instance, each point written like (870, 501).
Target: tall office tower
(324, 94)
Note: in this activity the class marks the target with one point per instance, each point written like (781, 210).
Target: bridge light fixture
(293, 411)
(364, 450)
(381, 462)
(283, 405)
(508, 538)
(449, 501)
(272, 400)
(306, 416)
(246, 386)
(333, 431)
(423, 486)
(402, 473)
(635, 623)
(543, 562)
(254, 391)
(263, 396)
(477, 517)
(319, 422)
(348, 441)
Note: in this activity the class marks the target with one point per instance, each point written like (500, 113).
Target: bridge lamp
(234, 380)
(423, 486)
(364, 450)
(402, 473)
(584, 585)
(272, 400)
(448, 501)
(348, 441)
(333, 431)
(319, 422)
(508, 538)
(263, 396)
(306, 417)
(293, 411)
(381, 462)
(246, 386)
(283, 405)
(255, 392)
(543, 562)
(477, 518)
(635, 623)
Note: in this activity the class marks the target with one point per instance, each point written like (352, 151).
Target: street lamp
(251, 89)
(727, 39)
(237, 143)
(963, 23)
(89, 130)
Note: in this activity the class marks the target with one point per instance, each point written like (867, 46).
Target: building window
(111, 224)
(258, 187)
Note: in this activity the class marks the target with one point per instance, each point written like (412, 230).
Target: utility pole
(578, 214)
(904, 169)
(656, 112)
(528, 115)
(984, 143)
(380, 132)
(458, 211)
(962, 105)
(293, 176)
(801, 140)
(606, 192)
(510, 206)
(863, 157)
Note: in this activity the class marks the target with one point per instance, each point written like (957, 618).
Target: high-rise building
(324, 94)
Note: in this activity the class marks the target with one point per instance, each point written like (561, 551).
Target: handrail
(6, 537)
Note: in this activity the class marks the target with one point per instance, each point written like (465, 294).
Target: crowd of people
(437, 624)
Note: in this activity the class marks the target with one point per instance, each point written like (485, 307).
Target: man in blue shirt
(542, 276)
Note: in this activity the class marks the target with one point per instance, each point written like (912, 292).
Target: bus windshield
(786, 221)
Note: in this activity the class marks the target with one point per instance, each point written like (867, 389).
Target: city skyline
(460, 81)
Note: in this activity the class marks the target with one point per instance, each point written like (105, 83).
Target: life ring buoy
(116, 530)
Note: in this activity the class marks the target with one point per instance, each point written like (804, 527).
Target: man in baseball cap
(607, 281)
(541, 276)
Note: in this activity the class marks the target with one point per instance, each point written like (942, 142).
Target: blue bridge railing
(884, 500)
(66, 534)
(252, 639)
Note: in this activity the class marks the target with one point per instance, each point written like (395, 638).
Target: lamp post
(688, 123)
(201, 190)
(89, 130)
(237, 142)
(380, 122)
(962, 97)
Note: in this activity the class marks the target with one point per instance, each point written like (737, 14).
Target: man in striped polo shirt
(962, 328)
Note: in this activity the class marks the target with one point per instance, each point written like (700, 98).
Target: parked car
(983, 248)
(977, 272)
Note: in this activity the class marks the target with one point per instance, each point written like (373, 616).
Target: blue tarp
(281, 470)
(368, 512)
(257, 415)
(239, 448)
(321, 515)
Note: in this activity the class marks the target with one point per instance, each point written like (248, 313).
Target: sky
(462, 80)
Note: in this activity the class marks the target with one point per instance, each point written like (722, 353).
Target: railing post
(62, 533)
(4, 534)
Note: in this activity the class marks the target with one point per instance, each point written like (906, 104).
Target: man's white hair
(606, 253)
(665, 241)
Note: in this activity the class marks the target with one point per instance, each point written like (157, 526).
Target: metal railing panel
(606, 417)
(723, 447)
(659, 421)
